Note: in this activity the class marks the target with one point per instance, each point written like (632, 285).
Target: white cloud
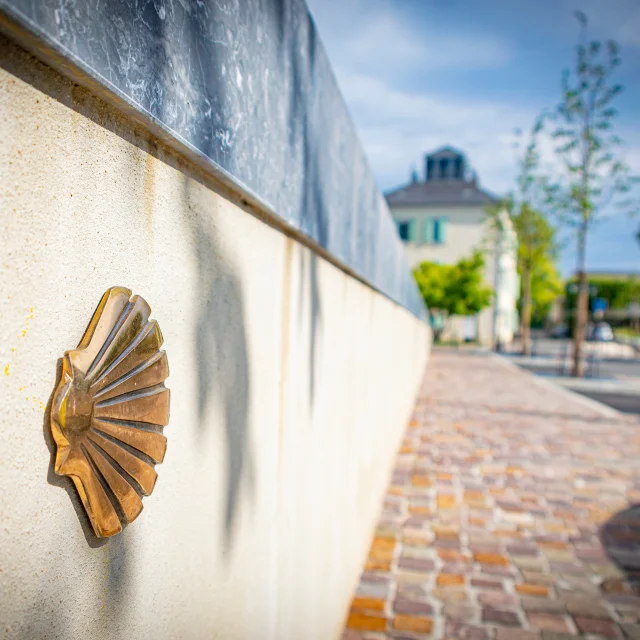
(385, 44)
(372, 47)
(382, 63)
(398, 127)
(376, 39)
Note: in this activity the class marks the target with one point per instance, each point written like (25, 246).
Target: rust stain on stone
(284, 344)
(149, 193)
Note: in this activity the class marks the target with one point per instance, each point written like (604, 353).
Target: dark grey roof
(446, 150)
(439, 192)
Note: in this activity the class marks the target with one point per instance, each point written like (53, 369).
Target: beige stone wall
(291, 385)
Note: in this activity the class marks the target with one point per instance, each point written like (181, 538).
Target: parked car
(559, 331)
(601, 332)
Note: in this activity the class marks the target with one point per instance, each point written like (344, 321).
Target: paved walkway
(504, 492)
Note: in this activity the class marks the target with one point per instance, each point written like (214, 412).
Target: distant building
(442, 219)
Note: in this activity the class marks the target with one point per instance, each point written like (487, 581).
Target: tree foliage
(619, 292)
(537, 254)
(536, 238)
(537, 250)
(593, 178)
(456, 289)
(546, 286)
(593, 174)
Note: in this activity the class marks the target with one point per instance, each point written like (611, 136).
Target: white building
(443, 219)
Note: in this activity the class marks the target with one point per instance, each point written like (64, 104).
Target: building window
(439, 230)
(434, 231)
(430, 168)
(406, 230)
(458, 168)
(427, 233)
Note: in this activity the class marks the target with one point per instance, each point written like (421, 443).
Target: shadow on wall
(220, 346)
(220, 341)
(312, 200)
(620, 537)
(315, 313)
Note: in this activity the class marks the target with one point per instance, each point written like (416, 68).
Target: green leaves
(456, 289)
(619, 292)
(593, 176)
(537, 251)
(546, 286)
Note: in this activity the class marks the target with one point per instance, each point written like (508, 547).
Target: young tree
(536, 251)
(536, 244)
(546, 286)
(536, 256)
(535, 235)
(593, 175)
(456, 289)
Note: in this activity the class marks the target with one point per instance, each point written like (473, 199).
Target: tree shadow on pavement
(620, 537)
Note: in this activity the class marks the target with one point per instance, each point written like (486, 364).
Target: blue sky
(417, 74)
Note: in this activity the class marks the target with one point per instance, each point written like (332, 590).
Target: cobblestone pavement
(509, 515)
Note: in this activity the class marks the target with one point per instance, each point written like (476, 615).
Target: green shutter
(442, 231)
(428, 231)
(412, 230)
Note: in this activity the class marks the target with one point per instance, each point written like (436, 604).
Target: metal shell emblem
(108, 411)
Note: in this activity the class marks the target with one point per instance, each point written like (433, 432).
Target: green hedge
(619, 292)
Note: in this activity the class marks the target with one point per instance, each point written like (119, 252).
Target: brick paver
(508, 515)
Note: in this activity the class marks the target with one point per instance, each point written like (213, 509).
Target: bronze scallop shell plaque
(108, 411)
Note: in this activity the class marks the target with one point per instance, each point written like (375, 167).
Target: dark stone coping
(244, 90)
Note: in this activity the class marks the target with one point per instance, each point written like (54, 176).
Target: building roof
(439, 192)
(446, 150)
(448, 180)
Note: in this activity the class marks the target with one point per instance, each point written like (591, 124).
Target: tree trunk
(526, 311)
(582, 306)
(497, 320)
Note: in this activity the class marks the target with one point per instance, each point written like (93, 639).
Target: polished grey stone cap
(245, 90)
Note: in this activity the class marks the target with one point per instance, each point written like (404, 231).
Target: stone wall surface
(245, 90)
(291, 385)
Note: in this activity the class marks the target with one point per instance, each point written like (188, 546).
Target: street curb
(598, 407)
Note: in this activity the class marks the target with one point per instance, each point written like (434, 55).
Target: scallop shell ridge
(109, 408)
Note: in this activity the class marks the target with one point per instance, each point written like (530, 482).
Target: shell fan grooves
(108, 411)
